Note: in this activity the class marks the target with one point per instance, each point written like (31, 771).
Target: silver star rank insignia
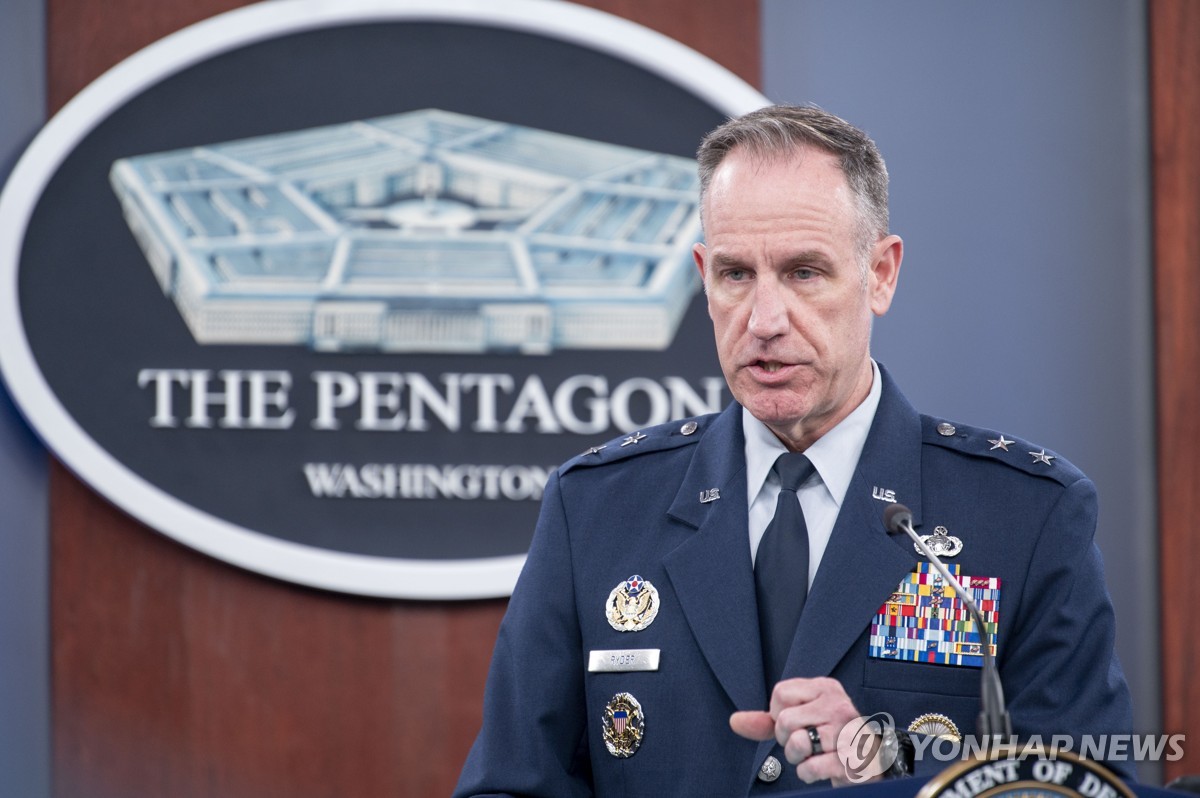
(1042, 457)
(634, 438)
(1000, 444)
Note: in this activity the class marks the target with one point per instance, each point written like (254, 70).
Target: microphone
(993, 716)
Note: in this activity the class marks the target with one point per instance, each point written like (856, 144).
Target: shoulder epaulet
(1014, 452)
(671, 435)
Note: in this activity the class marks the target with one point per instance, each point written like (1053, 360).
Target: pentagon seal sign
(632, 605)
(624, 725)
(318, 301)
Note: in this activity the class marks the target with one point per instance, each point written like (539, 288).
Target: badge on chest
(632, 605)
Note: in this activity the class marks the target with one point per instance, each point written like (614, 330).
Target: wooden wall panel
(727, 31)
(1175, 97)
(175, 674)
(86, 37)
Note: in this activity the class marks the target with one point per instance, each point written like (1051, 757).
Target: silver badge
(941, 543)
(710, 495)
(632, 605)
(1042, 457)
(770, 770)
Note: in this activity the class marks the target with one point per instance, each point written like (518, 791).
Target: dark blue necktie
(781, 567)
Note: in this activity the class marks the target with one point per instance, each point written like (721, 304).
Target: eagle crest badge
(632, 605)
(624, 725)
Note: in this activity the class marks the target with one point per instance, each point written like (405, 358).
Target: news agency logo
(868, 747)
(1096, 747)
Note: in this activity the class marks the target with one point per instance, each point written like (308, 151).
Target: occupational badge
(632, 605)
(941, 543)
(935, 724)
(624, 725)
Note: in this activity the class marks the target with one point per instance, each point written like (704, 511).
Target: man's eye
(737, 275)
(804, 274)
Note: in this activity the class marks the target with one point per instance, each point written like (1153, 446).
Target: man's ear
(884, 273)
(698, 254)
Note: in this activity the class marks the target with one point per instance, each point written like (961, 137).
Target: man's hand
(796, 706)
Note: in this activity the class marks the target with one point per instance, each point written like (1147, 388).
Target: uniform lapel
(710, 572)
(862, 564)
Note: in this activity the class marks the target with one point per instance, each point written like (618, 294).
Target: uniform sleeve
(1059, 668)
(533, 740)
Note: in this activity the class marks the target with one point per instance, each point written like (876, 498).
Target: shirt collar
(835, 454)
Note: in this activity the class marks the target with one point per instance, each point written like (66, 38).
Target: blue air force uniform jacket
(636, 509)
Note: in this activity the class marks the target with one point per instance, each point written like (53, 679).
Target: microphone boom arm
(993, 718)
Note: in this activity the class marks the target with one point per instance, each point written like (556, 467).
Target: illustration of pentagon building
(426, 231)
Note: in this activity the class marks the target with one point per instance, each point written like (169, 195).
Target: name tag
(623, 660)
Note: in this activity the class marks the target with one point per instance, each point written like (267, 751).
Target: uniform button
(946, 430)
(688, 428)
(770, 770)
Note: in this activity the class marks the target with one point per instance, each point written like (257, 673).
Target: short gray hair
(782, 131)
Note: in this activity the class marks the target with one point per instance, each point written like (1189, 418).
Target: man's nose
(768, 315)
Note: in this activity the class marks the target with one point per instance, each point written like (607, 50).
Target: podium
(909, 787)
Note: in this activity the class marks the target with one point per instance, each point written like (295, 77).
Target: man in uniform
(708, 600)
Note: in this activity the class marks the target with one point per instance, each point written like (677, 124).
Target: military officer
(707, 605)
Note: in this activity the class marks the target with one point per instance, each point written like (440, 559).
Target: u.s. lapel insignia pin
(632, 605)
(883, 494)
(710, 495)
(941, 543)
(624, 725)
